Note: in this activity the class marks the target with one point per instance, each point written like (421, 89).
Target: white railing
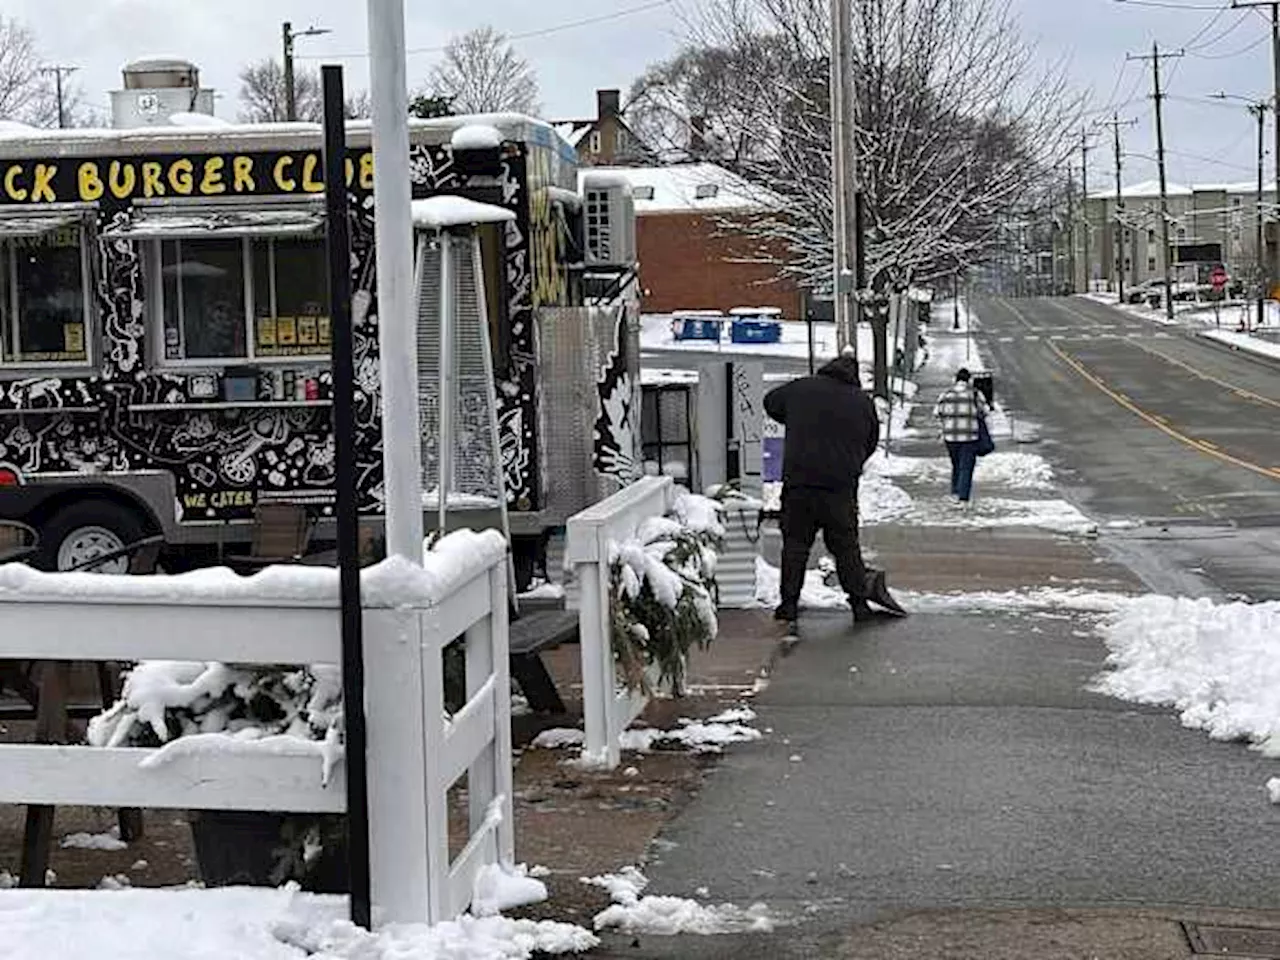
(607, 709)
(415, 752)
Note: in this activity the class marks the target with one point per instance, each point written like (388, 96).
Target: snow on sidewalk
(1217, 664)
(668, 916)
(818, 595)
(1245, 343)
(238, 923)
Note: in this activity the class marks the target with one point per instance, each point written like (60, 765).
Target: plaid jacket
(959, 410)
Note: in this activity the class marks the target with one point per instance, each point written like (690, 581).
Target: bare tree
(481, 73)
(262, 93)
(958, 121)
(27, 91)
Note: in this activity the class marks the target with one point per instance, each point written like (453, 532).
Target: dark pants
(805, 512)
(964, 457)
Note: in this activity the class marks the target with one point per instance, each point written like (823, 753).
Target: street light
(289, 35)
(1258, 108)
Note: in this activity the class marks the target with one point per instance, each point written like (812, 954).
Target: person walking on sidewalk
(832, 429)
(962, 410)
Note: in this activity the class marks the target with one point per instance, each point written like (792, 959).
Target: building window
(1151, 236)
(237, 298)
(594, 141)
(642, 193)
(1151, 264)
(666, 439)
(1128, 235)
(1182, 233)
(44, 298)
(1128, 263)
(706, 191)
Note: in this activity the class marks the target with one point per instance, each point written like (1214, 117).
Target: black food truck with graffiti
(165, 330)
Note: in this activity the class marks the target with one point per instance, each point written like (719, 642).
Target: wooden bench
(530, 634)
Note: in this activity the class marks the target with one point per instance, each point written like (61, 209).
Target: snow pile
(450, 562)
(879, 499)
(814, 595)
(1022, 471)
(699, 736)
(668, 916)
(1218, 665)
(252, 924)
(498, 888)
(476, 136)
(94, 841)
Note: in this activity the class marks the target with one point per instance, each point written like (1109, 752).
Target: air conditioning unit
(609, 220)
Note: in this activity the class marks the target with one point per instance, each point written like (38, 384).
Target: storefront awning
(173, 225)
(36, 224)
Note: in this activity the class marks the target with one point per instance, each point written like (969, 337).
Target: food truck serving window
(239, 287)
(44, 296)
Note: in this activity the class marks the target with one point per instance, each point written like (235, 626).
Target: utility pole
(288, 35)
(1258, 110)
(844, 183)
(1275, 93)
(1084, 206)
(1115, 123)
(59, 71)
(1071, 230)
(1158, 96)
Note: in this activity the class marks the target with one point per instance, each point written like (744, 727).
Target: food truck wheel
(88, 529)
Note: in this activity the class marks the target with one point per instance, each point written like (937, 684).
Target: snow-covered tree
(482, 73)
(958, 120)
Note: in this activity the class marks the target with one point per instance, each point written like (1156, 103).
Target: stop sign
(1218, 278)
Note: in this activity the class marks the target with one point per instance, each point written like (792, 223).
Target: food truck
(165, 330)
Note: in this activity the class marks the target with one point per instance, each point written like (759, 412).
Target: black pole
(344, 432)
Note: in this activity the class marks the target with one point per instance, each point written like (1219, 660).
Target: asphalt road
(1149, 423)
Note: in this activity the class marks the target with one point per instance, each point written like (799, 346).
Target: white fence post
(399, 795)
(607, 710)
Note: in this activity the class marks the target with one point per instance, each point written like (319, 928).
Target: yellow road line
(1200, 445)
(1238, 391)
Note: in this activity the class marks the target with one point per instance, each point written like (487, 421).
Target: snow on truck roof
(438, 213)
(187, 130)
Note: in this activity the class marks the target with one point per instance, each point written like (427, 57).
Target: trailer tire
(86, 529)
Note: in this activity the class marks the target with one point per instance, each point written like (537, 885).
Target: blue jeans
(964, 457)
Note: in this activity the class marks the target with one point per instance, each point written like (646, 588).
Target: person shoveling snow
(832, 430)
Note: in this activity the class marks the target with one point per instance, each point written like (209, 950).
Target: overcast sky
(1207, 142)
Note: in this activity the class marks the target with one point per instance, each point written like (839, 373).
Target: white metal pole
(838, 194)
(448, 382)
(402, 454)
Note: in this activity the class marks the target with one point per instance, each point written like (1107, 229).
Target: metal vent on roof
(642, 193)
(705, 191)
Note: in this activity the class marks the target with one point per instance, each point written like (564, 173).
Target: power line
(527, 35)
(1227, 56)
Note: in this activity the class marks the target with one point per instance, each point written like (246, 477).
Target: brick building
(689, 259)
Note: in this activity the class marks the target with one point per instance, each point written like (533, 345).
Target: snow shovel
(878, 593)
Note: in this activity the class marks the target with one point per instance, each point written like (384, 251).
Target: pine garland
(663, 594)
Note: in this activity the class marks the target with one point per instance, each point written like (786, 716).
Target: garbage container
(985, 383)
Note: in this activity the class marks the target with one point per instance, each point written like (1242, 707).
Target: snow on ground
(94, 841)
(656, 335)
(543, 590)
(879, 499)
(817, 595)
(237, 923)
(699, 736)
(1242, 341)
(987, 513)
(668, 916)
(1217, 664)
(1023, 471)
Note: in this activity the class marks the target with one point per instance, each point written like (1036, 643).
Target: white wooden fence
(608, 709)
(415, 753)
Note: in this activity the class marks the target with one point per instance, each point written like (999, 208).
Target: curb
(1261, 359)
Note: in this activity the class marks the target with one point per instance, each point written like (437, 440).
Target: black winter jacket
(832, 427)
